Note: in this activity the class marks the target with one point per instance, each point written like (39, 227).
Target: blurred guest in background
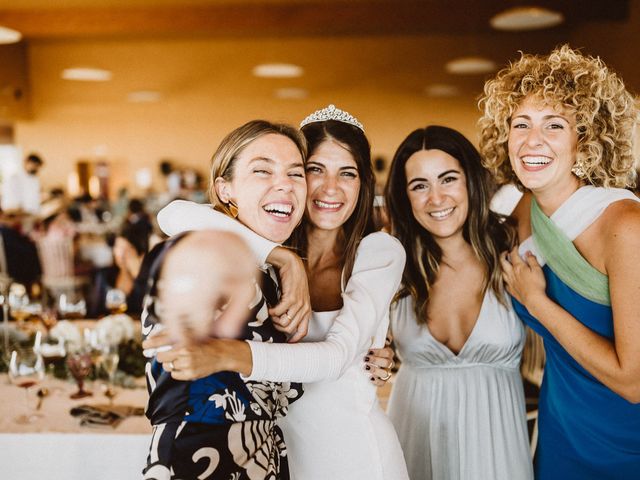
(21, 191)
(18, 254)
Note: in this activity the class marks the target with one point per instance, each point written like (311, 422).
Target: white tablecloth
(56, 447)
(71, 456)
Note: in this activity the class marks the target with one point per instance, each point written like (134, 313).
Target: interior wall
(193, 116)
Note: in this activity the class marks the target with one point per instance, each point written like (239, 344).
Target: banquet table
(56, 447)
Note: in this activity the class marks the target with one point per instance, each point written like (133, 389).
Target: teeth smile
(322, 204)
(278, 209)
(442, 213)
(536, 160)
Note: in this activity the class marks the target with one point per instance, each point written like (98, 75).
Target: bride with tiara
(337, 429)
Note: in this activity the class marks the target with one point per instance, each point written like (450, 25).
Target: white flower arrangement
(115, 329)
(68, 333)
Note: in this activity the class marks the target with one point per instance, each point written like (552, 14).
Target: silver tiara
(332, 113)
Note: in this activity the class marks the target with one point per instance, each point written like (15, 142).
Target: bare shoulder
(522, 216)
(619, 232)
(621, 219)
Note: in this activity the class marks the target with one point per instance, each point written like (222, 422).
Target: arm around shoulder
(183, 215)
(375, 278)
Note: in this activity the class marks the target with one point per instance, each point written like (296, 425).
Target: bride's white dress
(336, 430)
(461, 417)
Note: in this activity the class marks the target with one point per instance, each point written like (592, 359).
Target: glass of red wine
(26, 370)
(80, 364)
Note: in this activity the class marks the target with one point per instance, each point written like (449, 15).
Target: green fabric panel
(565, 260)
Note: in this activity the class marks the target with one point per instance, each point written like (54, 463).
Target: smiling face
(333, 184)
(437, 191)
(542, 146)
(268, 187)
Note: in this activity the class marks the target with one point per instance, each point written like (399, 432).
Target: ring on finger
(170, 366)
(391, 365)
(286, 314)
(387, 377)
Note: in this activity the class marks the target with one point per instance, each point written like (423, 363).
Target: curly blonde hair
(606, 114)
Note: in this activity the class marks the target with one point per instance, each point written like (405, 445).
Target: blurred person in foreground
(222, 425)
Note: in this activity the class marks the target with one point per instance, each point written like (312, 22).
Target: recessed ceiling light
(86, 74)
(278, 70)
(441, 90)
(291, 93)
(526, 18)
(144, 96)
(470, 66)
(8, 35)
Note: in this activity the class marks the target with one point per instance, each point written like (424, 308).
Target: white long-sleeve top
(183, 215)
(375, 278)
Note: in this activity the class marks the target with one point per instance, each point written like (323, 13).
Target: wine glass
(71, 310)
(26, 369)
(5, 282)
(116, 301)
(105, 357)
(48, 319)
(18, 302)
(110, 360)
(52, 351)
(80, 365)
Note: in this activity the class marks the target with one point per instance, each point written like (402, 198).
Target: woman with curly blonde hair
(561, 127)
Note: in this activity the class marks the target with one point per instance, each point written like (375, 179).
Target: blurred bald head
(206, 286)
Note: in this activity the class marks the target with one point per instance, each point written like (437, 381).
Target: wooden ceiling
(44, 19)
(378, 46)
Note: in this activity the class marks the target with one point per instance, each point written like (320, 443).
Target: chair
(532, 370)
(57, 260)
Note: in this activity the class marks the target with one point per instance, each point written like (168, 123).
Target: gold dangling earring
(233, 209)
(578, 169)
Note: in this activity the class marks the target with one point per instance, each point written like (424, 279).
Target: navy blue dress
(219, 426)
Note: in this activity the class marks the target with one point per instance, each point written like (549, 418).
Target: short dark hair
(33, 158)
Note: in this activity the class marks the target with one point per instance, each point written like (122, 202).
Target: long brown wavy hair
(360, 223)
(488, 233)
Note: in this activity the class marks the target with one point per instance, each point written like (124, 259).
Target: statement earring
(233, 208)
(578, 169)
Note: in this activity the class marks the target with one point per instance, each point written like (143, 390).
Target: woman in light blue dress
(561, 127)
(458, 401)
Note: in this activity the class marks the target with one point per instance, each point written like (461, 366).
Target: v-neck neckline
(473, 330)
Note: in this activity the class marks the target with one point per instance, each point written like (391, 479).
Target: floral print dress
(219, 426)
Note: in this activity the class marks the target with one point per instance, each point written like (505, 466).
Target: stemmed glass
(5, 281)
(116, 301)
(80, 365)
(110, 360)
(51, 352)
(48, 319)
(69, 309)
(26, 369)
(18, 302)
(106, 357)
